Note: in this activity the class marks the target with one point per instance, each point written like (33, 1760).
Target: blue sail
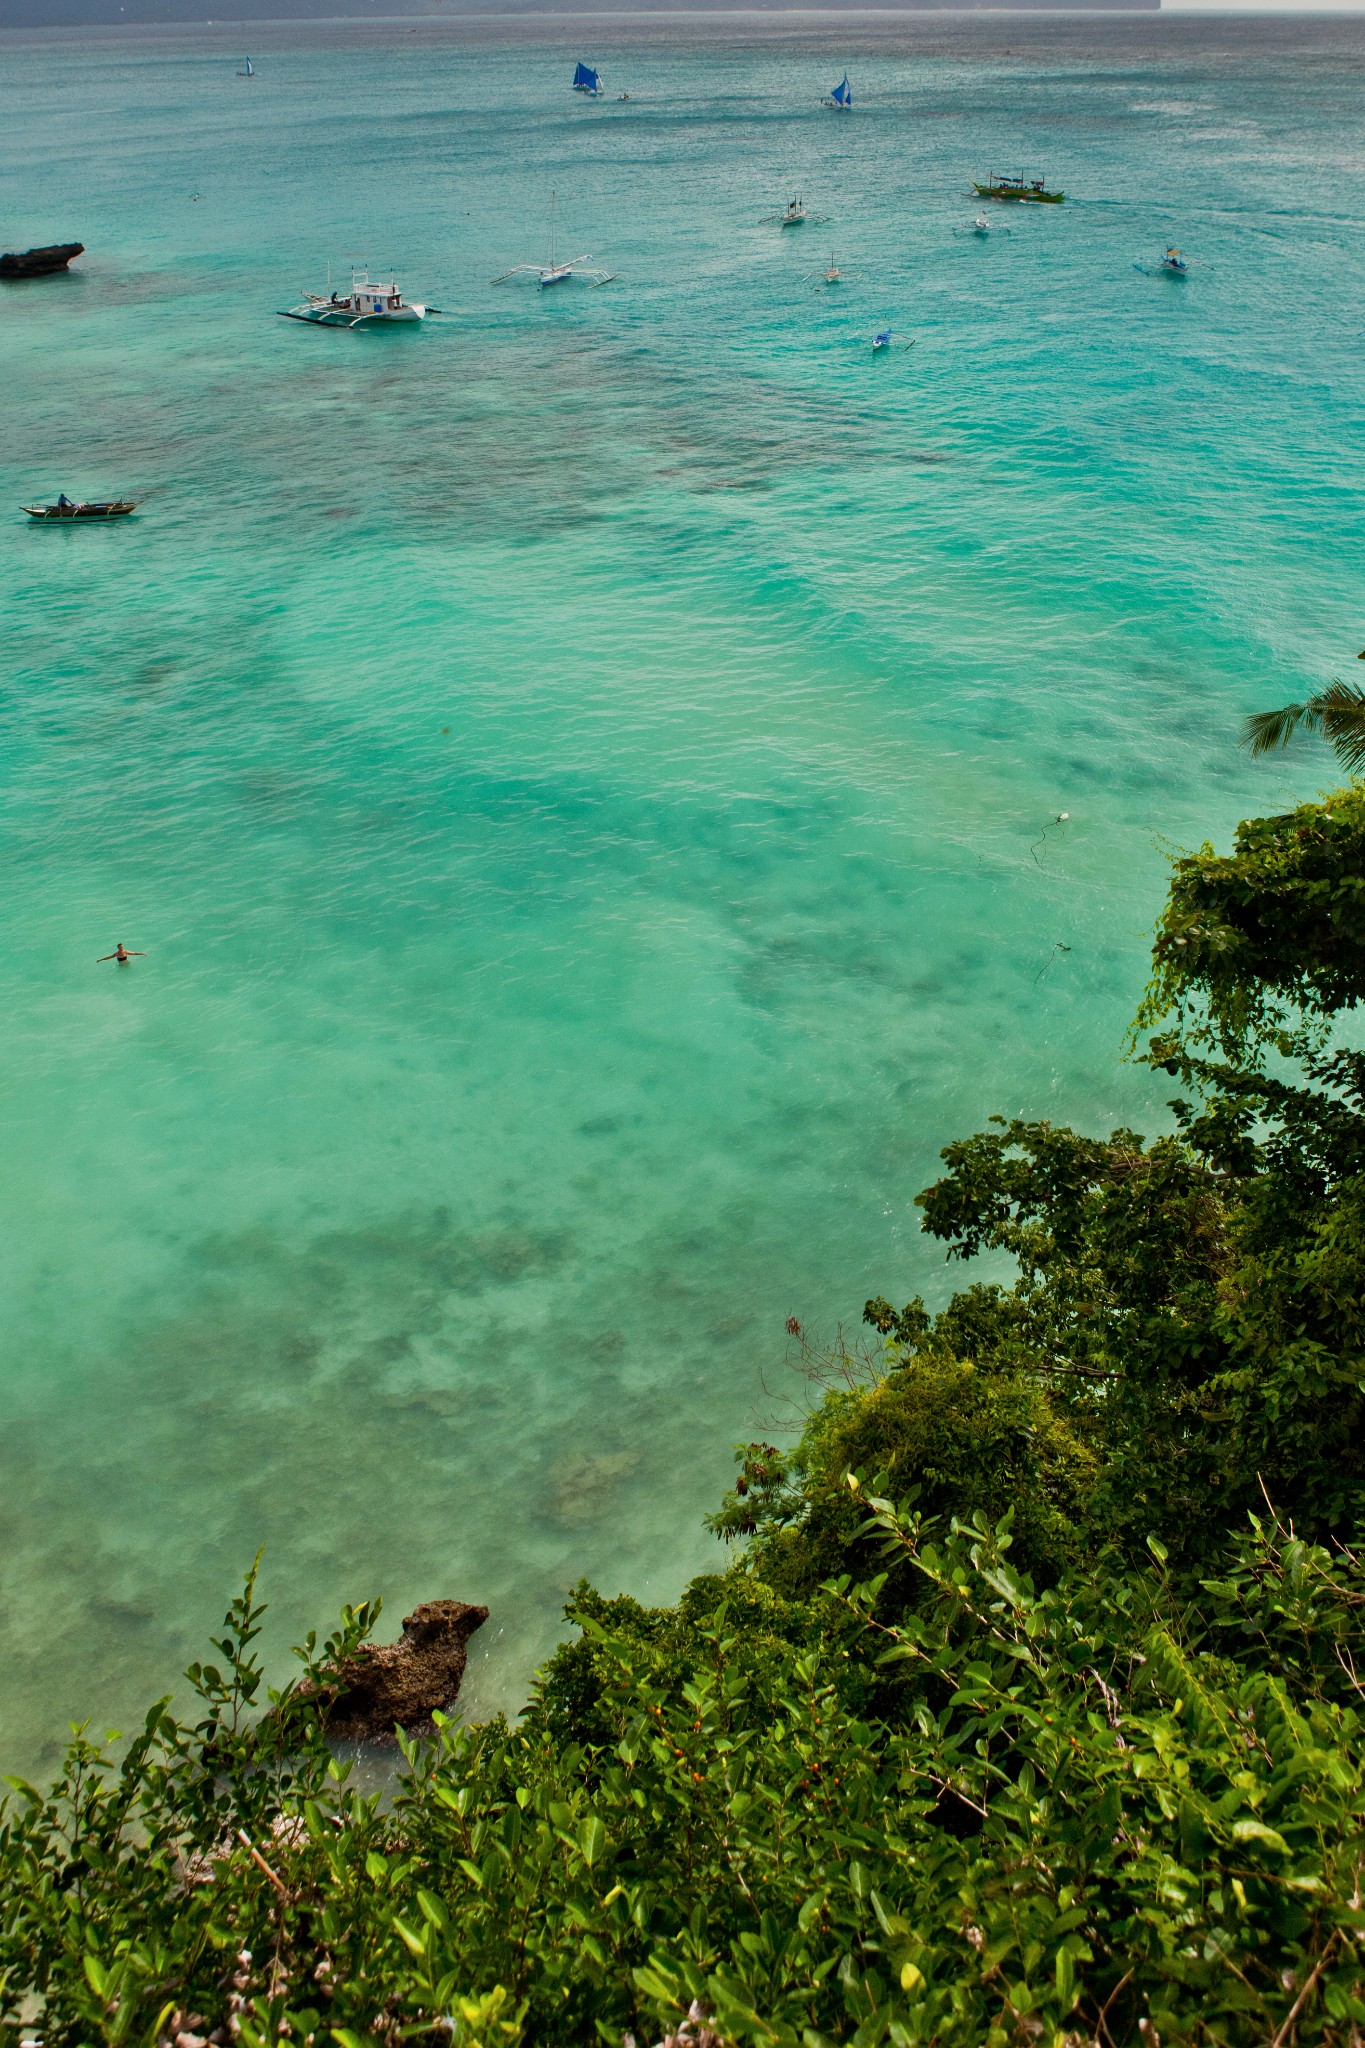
(842, 95)
(585, 79)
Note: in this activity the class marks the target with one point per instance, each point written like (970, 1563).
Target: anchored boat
(1000, 185)
(77, 508)
(556, 269)
(366, 304)
(792, 215)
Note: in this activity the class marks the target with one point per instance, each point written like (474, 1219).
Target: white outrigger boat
(832, 274)
(555, 270)
(792, 215)
(366, 304)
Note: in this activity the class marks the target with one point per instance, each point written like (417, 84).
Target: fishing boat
(585, 79)
(248, 72)
(556, 270)
(981, 226)
(792, 215)
(889, 337)
(1174, 264)
(1001, 185)
(841, 97)
(78, 508)
(366, 304)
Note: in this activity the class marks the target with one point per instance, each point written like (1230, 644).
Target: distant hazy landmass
(104, 13)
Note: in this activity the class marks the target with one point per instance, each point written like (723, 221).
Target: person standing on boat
(64, 503)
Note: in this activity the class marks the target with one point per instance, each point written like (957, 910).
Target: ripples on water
(579, 773)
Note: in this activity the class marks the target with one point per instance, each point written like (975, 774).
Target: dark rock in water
(400, 1685)
(38, 262)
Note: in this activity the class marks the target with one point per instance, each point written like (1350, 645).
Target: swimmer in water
(121, 954)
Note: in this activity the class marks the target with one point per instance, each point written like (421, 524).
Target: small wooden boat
(66, 508)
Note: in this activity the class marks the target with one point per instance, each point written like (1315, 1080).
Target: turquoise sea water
(579, 772)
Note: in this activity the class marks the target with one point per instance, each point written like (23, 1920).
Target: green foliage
(1098, 1806)
(1278, 925)
(960, 1433)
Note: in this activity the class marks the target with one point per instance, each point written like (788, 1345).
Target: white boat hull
(343, 316)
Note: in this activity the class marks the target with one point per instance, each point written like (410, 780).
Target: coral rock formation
(39, 262)
(385, 1686)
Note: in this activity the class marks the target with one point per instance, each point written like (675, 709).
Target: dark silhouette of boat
(1001, 185)
(67, 508)
(40, 262)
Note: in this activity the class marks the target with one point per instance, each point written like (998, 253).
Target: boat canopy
(585, 79)
(842, 95)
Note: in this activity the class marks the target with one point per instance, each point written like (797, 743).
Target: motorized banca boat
(1174, 264)
(79, 508)
(841, 97)
(1005, 185)
(981, 226)
(366, 304)
(585, 79)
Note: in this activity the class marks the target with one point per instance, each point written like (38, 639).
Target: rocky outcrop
(385, 1686)
(38, 262)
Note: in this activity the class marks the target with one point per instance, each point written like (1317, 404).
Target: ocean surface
(585, 775)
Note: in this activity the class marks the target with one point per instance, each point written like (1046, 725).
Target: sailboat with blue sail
(248, 73)
(585, 79)
(842, 96)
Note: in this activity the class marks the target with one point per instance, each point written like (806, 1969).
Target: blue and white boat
(248, 73)
(585, 79)
(842, 96)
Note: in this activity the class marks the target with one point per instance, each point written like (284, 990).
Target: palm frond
(1264, 731)
(1338, 713)
(1343, 723)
